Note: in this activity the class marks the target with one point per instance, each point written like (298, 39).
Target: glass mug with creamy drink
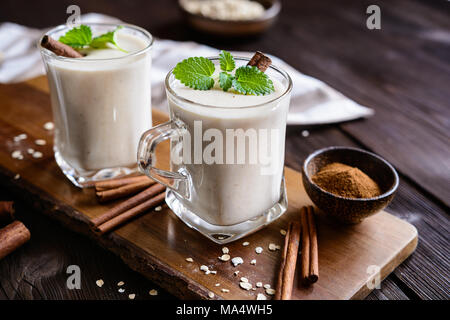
(227, 155)
(100, 102)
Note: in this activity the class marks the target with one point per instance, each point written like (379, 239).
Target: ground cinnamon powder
(346, 181)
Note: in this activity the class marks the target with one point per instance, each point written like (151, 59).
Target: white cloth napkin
(312, 102)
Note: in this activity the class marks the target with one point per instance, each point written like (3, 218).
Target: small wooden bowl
(228, 28)
(350, 210)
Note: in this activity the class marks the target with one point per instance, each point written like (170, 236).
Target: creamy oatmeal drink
(227, 150)
(101, 100)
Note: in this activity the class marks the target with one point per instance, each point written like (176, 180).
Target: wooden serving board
(158, 243)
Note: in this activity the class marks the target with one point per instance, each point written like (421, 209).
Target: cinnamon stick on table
(6, 212)
(261, 61)
(313, 274)
(130, 214)
(286, 273)
(123, 191)
(310, 264)
(59, 48)
(119, 182)
(128, 204)
(12, 237)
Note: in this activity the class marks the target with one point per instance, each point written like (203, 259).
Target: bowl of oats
(230, 18)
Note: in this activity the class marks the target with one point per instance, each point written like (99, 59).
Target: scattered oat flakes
(217, 284)
(237, 261)
(99, 283)
(224, 257)
(305, 133)
(236, 273)
(40, 142)
(120, 283)
(211, 294)
(121, 290)
(258, 250)
(20, 137)
(267, 286)
(244, 279)
(131, 296)
(158, 208)
(270, 291)
(225, 250)
(30, 151)
(245, 285)
(253, 262)
(189, 260)
(246, 243)
(273, 247)
(17, 177)
(260, 296)
(37, 154)
(225, 290)
(49, 126)
(204, 268)
(17, 154)
(213, 271)
(207, 272)
(153, 292)
(259, 284)
(283, 232)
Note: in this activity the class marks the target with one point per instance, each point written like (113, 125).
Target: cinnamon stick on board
(12, 237)
(286, 273)
(123, 191)
(6, 212)
(130, 214)
(59, 48)
(259, 60)
(119, 182)
(128, 204)
(313, 274)
(305, 265)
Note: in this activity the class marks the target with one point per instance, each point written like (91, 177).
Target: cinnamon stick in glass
(12, 237)
(59, 48)
(261, 61)
(128, 204)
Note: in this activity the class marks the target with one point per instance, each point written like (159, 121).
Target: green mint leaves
(196, 73)
(77, 37)
(81, 37)
(225, 81)
(226, 61)
(251, 80)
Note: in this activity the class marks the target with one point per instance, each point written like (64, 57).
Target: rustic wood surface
(158, 243)
(401, 71)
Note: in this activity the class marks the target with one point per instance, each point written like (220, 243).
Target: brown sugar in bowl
(350, 210)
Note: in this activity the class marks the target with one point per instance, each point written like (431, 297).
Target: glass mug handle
(177, 181)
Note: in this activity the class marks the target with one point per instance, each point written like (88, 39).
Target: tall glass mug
(101, 105)
(227, 163)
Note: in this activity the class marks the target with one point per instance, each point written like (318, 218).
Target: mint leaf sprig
(81, 37)
(196, 73)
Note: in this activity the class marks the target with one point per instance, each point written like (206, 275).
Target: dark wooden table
(402, 71)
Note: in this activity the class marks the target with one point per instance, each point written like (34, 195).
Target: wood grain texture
(158, 243)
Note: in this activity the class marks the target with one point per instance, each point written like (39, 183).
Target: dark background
(402, 71)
